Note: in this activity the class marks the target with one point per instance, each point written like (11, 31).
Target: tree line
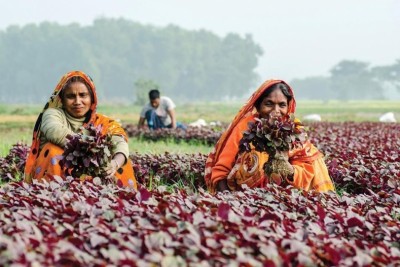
(351, 80)
(126, 59)
(119, 53)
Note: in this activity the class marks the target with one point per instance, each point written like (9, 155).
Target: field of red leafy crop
(173, 221)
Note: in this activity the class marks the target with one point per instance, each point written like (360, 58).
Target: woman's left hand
(285, 156)
(116, 163)
(112, 168)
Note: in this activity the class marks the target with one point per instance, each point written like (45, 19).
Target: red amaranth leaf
(333, 255)
(144, 194)
(223, 210)
(353, 221)
(321, 212)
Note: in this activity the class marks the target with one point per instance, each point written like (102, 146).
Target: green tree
(388, 76)
(117, 52)
(317, 87)
(354, 80)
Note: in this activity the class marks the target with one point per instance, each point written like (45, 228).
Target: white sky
(299, 38)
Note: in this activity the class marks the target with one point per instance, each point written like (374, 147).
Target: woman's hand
(116, 163)
(288, 169)
(112, 168)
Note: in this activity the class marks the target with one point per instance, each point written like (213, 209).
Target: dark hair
(283, 87)
(154, 94)
(73, 80)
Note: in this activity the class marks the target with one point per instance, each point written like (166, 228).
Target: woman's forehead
(76, 86)
(276, 94)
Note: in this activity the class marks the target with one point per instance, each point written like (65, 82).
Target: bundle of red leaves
(273, 135)
(87, 153)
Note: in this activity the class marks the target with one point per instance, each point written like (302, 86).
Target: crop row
(69, 223)
(360, 157)
(205, 135)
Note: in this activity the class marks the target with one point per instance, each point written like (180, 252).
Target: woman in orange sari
(71, 107)
(229, 169)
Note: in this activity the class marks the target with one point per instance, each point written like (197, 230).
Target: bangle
(116, 162)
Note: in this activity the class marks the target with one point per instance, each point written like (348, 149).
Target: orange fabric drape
(225, 154)
(44, 163)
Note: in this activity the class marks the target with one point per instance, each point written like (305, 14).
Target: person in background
(227, 169)
(73, 106)
(159, 112)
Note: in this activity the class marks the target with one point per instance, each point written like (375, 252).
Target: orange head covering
(247, 110)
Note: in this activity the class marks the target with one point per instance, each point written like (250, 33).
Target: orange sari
(44, 163)
(225, 162)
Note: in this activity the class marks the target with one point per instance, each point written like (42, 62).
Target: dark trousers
(154, 121)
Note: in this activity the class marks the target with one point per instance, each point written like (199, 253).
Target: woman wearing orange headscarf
(73, 105)
(229, 169)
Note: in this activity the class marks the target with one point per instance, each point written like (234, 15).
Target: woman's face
(77, 100)
(275, 104)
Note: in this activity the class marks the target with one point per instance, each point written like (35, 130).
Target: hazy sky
(299, 38)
